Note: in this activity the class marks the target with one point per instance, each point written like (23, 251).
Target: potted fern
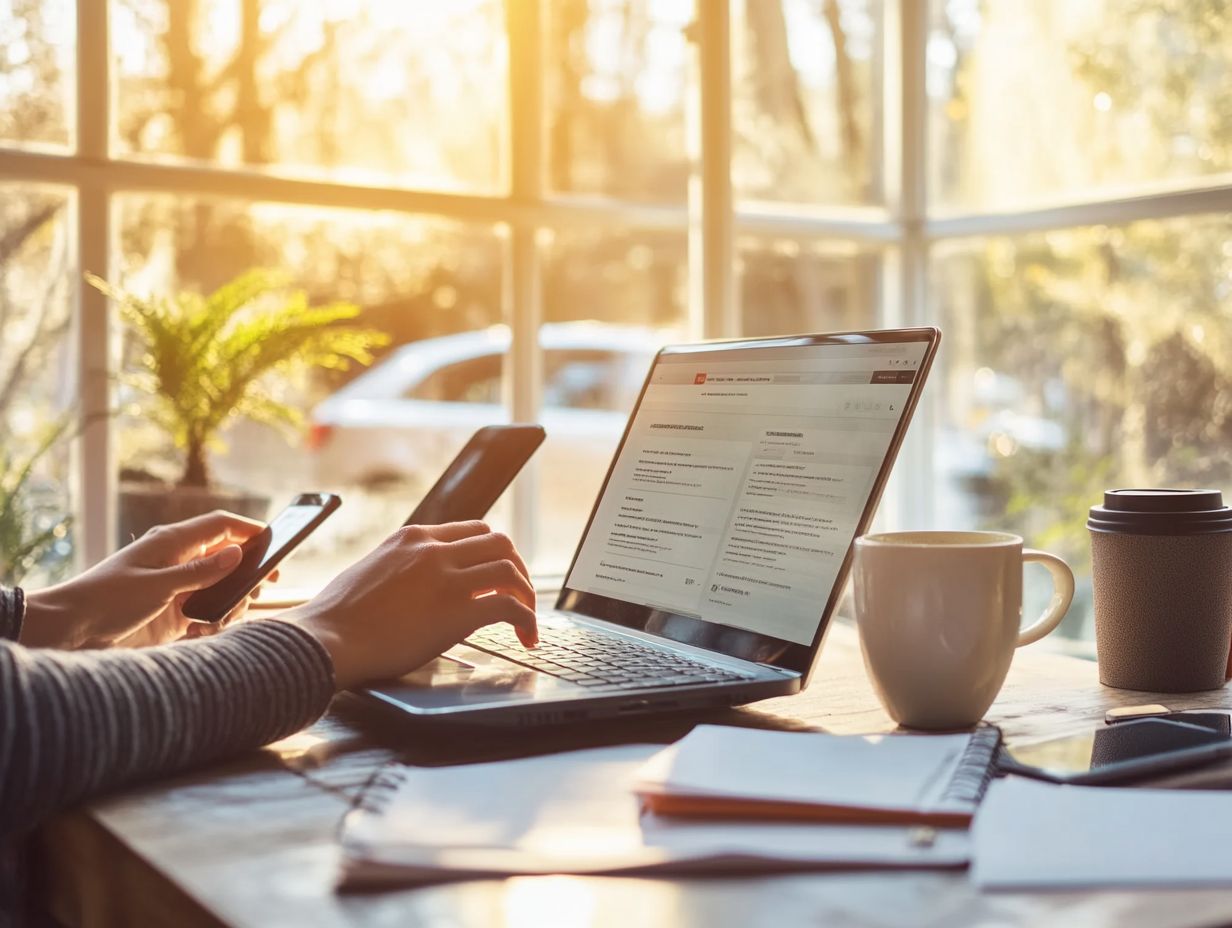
(202, 361)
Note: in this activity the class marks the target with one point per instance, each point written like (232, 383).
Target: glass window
(1079, 361)
(37, 383)
(352, 91)
(1104, 93)
(432, 287)
(788, 287)
(1073, 360)
(616, 87)
(806, 101)
(37, 72)
(474, 380)
(579, 379)
(611, 299)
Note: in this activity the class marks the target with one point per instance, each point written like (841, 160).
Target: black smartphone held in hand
(262, 553)
(1121, 752)
(476, 478)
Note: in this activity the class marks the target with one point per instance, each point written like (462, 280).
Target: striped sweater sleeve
(12, 613)
(73, 724)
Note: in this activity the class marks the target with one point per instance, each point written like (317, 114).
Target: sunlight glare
(549, 902)
(581, 841)
(572, 902)
(300, 746)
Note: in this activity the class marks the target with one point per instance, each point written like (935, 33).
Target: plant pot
(145, 505)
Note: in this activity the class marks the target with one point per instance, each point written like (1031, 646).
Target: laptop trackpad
(465, 677)
(442, 667)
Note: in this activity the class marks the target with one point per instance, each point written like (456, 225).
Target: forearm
(73, 725)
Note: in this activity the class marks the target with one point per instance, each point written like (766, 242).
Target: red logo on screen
(699, 378)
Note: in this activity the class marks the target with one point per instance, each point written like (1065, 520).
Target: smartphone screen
(262, 553)
(476, 478)
(1122, 745)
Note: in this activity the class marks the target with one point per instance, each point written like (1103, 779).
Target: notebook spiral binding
(379, 789)
(977, 768)
(372, 799)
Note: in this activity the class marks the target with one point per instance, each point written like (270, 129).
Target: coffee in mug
(939, 616)
(1161, 566)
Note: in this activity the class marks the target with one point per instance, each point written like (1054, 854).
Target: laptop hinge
(783, 670)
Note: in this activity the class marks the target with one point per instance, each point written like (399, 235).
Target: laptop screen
(745, 473)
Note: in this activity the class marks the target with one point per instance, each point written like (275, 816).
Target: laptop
(719, 544)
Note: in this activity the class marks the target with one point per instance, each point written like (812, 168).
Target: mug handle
(1062, 595)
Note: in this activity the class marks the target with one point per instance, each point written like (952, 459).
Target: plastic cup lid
(1161, 511)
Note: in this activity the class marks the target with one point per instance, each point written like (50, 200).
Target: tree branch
(41, 334)
(845, 89)
(13, 239)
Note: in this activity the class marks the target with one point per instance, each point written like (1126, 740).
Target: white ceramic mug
(939, 616)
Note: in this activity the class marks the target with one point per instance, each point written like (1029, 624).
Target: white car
(407, 416)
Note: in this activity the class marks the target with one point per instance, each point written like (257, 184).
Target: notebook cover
(416, 825)
(967, 787)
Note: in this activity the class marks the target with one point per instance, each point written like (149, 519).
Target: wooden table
(251, 843)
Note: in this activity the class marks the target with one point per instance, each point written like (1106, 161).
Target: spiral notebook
(915, 779)
(579, 813)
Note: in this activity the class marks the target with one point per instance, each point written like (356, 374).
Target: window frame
(903, 232)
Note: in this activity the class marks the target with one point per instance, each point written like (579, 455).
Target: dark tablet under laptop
(719, 544)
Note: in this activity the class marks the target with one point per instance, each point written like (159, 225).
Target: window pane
(1079, 361)
(37, 383)
(406, 93)
(1104, 93)
(792, 287)
(611, 299)
(379, 436)
(806, 107)
(37, 72)
(617, 74)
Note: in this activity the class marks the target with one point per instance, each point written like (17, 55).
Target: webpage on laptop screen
(742, 482)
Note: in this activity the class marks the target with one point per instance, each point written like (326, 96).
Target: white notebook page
(884, 772)
(577, 813)
(1033, 835)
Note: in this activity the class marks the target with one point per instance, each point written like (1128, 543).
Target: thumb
(201, 572)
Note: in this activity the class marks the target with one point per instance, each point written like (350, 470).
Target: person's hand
(419, 593)
(134, 596)
(172, 625)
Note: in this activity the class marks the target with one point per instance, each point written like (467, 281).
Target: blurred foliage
(32, 519)
(1168, 60)
(373, 89)
(805, 107)
(205, 359)
(1122, 335)
(35, 85)
(34, 381)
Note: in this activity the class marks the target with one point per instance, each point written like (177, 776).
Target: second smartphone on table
(476, 478)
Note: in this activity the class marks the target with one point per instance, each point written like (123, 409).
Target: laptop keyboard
(595, 660)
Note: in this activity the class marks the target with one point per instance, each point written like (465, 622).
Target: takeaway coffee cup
(1162, 574)
(939, 616)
